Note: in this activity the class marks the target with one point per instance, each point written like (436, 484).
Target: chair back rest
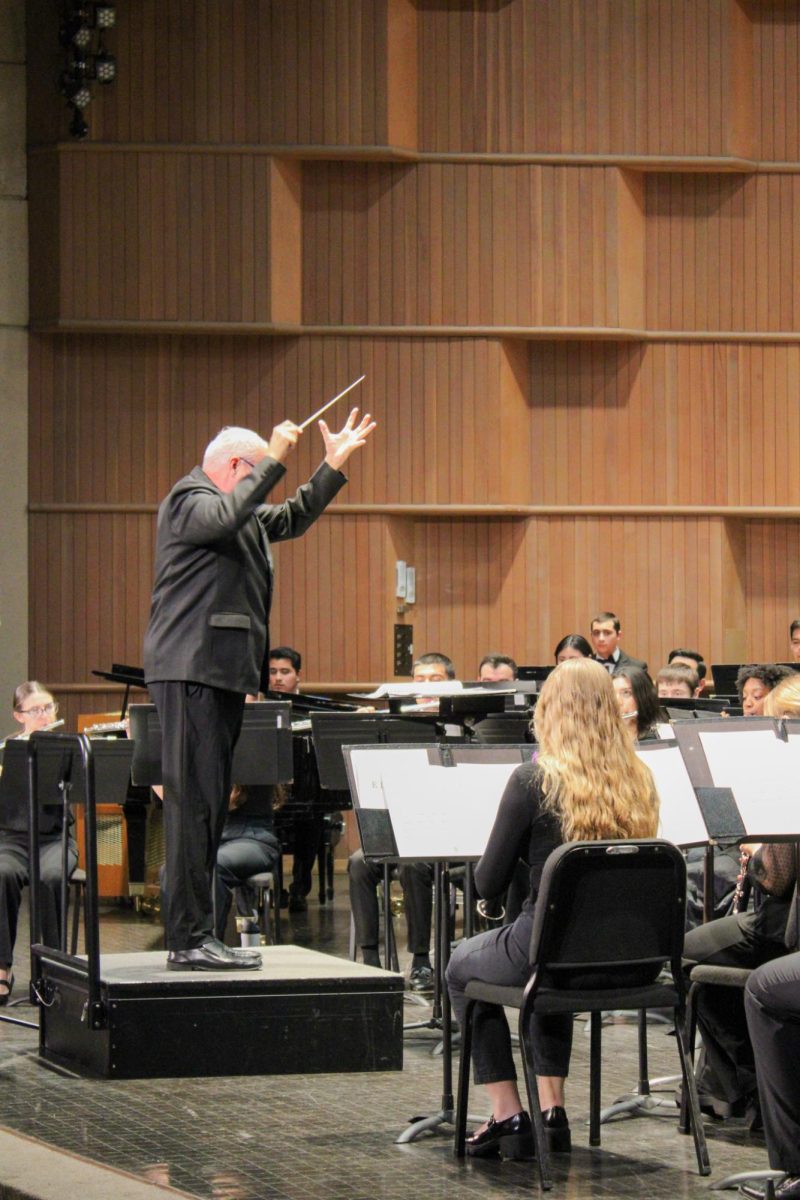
(609, 914)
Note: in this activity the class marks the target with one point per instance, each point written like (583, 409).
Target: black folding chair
(608, 916)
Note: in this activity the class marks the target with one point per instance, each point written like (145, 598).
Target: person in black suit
(606, 634)
(207, 644)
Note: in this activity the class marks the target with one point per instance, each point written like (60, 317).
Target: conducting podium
(127, 1016)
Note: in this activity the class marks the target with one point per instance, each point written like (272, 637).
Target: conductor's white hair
(230, 441)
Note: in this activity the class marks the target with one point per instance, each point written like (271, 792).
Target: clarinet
(741, 894)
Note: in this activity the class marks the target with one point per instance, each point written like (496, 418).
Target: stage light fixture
(82, 33)
(105, 16)
(105, 67)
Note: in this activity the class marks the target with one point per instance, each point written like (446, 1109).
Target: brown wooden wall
(559, 236)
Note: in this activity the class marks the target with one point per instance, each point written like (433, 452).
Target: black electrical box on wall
(403, 649)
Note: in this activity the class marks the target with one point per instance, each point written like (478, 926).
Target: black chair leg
(691, 1098)
(537, 1124)
(595, 1032)
(691, 1037)
(462, 1094)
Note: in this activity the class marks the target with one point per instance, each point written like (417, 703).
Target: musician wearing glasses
(207, 646)
(34, 709)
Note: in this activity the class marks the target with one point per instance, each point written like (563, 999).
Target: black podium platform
(302, 1013)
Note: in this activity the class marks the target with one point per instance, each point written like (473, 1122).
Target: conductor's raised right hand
(283, 440)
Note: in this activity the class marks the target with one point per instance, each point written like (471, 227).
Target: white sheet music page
(763, 772)
(679, 818)
(436, 812)
(446, 812)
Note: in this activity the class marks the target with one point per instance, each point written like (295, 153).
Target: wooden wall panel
(254, 72)
(331, 599)
(772, 586)
(463, 244)
(164, 237)
(169, 396)
(581, 76)
(776, 82)
(91, 577)
(471, 596)
(661, 576)
(664, 423)
(723, 252)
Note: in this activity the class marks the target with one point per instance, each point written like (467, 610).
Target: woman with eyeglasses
(34, 709)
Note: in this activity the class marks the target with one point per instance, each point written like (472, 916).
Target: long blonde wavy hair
(591, 777)
(784, 699)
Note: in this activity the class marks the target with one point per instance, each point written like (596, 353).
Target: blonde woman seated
(587, 784)
(34, 709)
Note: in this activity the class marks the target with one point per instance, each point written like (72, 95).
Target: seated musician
(249, 846)
(573, 645)
(638, 703)
(307, 810)
(726, 1076)
(677, 682)
(755, 682)
(416, 878)
(497, 668)
(34, 709)
(694, 660)
(587, 783)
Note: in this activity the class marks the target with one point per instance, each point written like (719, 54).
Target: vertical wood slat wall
(558, 235)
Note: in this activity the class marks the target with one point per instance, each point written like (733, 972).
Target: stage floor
(331, 1137)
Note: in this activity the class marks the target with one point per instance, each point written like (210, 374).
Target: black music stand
(391, 833)
(128, 676)
(69, 763)
(14, 805)
(263, 752)
(333, 730)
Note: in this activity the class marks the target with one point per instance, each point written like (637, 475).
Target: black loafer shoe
(211, 956)
(556, 1130)
(511, 1138)
(421, 979)
(244, 953)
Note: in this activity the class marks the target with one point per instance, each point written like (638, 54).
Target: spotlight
(105, 67)
(105, 16)
(82, 36)
(79, 95)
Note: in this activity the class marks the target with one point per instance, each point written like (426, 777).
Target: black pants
(726, 1069)
(306, 842)
(199, 726)
(416, 880)
(237, 859)
(772, 1004)
(14, 875)
(500, 956)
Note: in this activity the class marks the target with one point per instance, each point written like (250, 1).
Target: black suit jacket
(209, 619)
(625, 660)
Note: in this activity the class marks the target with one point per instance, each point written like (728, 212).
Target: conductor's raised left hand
(339, 446)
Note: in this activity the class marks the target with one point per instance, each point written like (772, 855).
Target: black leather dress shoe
(556, 1130)
(511, 1138)
(211, 956)
(242, 953)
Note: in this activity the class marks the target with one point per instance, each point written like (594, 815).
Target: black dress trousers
(772, 1003)
(200, 726)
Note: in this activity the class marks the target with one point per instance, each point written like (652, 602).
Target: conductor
(207, 646)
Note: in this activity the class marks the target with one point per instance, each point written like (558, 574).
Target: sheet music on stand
(429, 803)
(263, 752)
(747, 770)
(680, 819)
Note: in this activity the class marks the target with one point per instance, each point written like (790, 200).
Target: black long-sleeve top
(522, 830)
